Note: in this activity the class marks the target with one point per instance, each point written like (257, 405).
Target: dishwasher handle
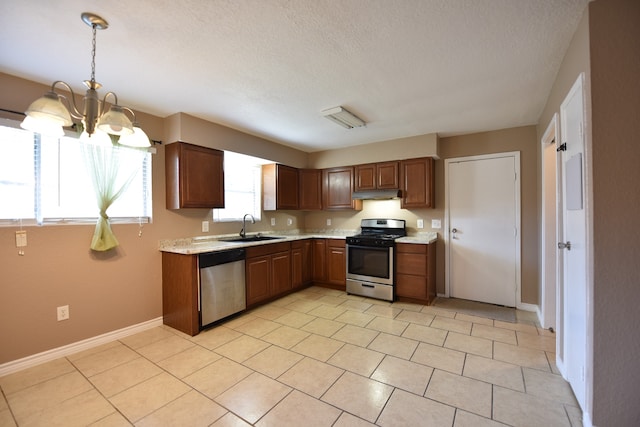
(222, 257)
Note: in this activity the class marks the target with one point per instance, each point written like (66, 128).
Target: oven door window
(368, 261)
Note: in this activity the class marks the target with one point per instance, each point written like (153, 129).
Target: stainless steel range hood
(376, 195)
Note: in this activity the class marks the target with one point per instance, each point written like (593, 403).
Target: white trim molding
(56, 353)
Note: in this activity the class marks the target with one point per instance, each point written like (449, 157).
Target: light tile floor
(314, 358)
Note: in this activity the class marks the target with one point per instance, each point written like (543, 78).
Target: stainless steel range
(371, 258)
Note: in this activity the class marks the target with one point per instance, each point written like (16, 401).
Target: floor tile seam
(8, 408)
(97, 390)
(6, 394)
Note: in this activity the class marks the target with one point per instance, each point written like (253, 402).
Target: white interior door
(483, 224)
(573, 245)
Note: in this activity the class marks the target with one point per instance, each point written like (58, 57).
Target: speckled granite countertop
(204, 244)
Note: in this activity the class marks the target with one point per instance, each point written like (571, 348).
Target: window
(242, 187)
(45, 180)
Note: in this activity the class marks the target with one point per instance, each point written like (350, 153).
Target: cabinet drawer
(411, 248)
(408, 263)
(411, 286)
(271, 248)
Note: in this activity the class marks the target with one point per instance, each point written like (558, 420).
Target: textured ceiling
(268, 67)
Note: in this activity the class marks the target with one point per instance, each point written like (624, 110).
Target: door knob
(566, 246)
(454, 230)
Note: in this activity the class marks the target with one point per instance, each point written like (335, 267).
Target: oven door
(371, 264)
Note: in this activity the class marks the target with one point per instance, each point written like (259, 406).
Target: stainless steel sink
(254, 238)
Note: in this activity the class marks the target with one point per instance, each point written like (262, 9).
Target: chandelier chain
(93, 54)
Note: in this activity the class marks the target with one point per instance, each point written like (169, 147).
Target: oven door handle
(378, 248)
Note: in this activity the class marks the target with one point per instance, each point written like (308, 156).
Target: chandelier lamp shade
(49, 114)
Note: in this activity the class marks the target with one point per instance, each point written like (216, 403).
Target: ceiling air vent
(343, 117)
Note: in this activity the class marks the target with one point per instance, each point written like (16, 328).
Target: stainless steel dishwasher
(222, 286)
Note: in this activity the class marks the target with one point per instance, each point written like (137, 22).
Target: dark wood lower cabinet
(268, 272)
(330, 263)
(180, 292)
(301, 263)
(415, 272)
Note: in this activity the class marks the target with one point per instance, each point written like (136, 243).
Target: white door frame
(447, 234)
(549, 226)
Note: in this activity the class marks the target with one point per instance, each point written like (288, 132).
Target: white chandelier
(47, 115)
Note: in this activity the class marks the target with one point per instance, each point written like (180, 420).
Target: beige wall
(615, 94)
(522, 139)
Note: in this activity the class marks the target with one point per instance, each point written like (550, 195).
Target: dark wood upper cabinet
(280, 187)
(417, 179)
(310, 184)
(337, 186)
(377, 176)
(194, 176)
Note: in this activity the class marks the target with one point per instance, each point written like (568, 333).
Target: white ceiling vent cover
(343, 117)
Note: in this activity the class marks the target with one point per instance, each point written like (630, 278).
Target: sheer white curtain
(111, 169)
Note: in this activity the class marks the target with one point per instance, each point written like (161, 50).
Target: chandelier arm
(104, 100)
(133, 114)
(74, 113)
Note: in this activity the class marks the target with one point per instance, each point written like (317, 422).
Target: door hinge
(563, 147)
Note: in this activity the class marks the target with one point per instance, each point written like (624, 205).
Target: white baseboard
(56, 353)
(529, 307)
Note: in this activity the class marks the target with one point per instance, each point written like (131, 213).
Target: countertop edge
(195, 246)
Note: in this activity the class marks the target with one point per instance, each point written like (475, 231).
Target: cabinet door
(296, 267)
(279, 187)
(258, 275)
(319, 260)
(307, 262)
(336, 262)
(310, 181)
(180, 292)
(194, 176)
(337, 188)
(387, 175)
(280, 273)
(417, 183)
(365, 177)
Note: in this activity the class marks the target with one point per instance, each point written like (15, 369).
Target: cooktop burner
(379, 232)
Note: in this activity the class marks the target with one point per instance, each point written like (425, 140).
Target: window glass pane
(242, 187)
(46, 179)
(17, 174)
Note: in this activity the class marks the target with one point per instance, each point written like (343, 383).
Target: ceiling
(268, 67)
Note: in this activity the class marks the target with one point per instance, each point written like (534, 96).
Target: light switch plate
(328, 221)
(289, 221)
(205, 226)
(420, 223)
(273, 221)
(435, 223)
(21, 239)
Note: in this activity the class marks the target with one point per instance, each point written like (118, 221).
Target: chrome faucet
(243, 232)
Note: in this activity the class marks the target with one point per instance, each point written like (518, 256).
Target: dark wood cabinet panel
(194, 176)
(258, 274)
(301, 263)
(280, 273)
(337, 186)
(268, 271)
(319, 260)
(337, 263)
(415, 272)
(365, 177)
(377, 176)
(280, 187)
(388, 175)
(310, 185)
(180, 292)
(417, 179)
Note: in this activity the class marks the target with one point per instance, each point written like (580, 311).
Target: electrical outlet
(205, 226)
(328, 221)
(273, 221)
(436, 224)
(289, 221)
(63, 312)
(420, 223)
